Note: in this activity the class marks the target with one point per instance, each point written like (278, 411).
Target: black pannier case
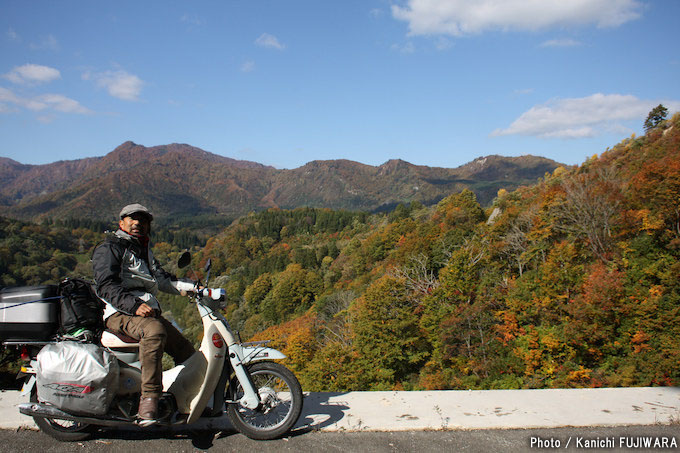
(35, 321)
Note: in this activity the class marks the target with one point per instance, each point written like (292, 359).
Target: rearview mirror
(184, 260)
(208, 265)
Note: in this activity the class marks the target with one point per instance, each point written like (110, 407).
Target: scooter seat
(118, 340)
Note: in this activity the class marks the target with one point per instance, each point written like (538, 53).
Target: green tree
(257, 291)
(293, 291)
(386, 335)
(655, 117)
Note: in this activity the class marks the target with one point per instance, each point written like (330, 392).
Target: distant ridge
(179, 180)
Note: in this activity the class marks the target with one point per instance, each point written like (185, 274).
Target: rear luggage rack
(20, 342)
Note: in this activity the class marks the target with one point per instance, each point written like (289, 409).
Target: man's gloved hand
(183, 292)
(145, 311)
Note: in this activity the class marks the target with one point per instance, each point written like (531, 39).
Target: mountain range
(180, 181)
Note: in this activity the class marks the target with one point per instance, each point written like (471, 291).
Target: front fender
(256, 353)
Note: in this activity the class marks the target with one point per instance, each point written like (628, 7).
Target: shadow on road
(319, 412)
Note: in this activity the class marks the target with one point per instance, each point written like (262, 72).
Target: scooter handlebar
(184, 286)
(192, 287)
(213, 293)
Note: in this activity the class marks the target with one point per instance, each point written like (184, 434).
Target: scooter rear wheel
(63, 430)
(280, 402)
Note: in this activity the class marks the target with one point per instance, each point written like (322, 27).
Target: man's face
(136, 224)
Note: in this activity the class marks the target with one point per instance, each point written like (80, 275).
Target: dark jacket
(127, 274)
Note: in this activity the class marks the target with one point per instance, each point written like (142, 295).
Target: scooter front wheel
(63, 430)
(280, 402)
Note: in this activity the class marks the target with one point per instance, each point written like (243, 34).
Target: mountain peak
(131, 153)
(396, 163)
(393, 166)
(127, 144)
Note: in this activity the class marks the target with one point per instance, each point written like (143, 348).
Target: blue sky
(432, 82)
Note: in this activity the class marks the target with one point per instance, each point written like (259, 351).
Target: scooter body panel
(214, 349)
(185, 380)
(129, 379)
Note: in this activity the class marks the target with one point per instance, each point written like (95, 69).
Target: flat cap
(133, 208)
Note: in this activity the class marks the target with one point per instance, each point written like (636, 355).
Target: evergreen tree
(655, 117)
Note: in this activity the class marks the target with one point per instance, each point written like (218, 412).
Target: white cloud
(248, 66)
(561, 43)
(44, 102)
(119, 84)
(6, 98)
(269, 41)
(32, 73)
(582, 117)
(464, 17)
(63, 104)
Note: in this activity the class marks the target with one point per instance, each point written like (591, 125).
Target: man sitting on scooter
(128, 279)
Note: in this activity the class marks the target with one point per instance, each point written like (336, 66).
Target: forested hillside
(570, 282)
(37, 254)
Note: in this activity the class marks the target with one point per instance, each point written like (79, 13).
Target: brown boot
(148, 410)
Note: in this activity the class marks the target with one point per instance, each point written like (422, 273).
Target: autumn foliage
(573, 282)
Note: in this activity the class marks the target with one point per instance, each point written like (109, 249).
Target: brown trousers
(155, 335)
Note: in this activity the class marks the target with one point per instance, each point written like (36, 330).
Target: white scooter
(262, 398)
